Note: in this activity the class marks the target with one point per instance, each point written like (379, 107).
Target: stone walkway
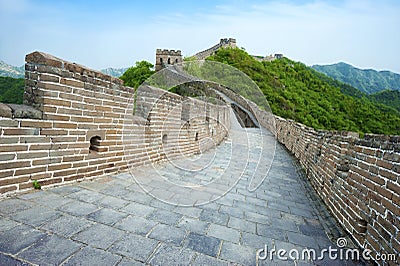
(111, 221)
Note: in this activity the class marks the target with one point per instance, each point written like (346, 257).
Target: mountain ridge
(369, 81)
(7, 70)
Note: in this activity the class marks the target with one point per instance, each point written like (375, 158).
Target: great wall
(71, 129)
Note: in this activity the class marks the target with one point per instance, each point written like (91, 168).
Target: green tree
(11, 90)
(136, 75)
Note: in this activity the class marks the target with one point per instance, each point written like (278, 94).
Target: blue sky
(101, 34)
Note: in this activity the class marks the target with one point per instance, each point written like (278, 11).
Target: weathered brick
(54, 87)
(369, 151)
(393, 187)
(74, 177)
(31, 155)
(80, 164)
(72, 83)
(82, 119)
(46, 161)
(377, 179)
(7, 157)
(34, 139)
(391, 156)
(64, 125)
(81, 134)
(378, 207)
(73, 158)
(93, 101)
(14, 164)
(8, 123)
(382, 232)
(388, 226)
(13, 180)
(21, 131)
(371, 241)
(51, 78)
(65, 173)
(54, 132)
(57, 117)
(72, 97)
(366, 182)
(396, 199)
(36, 147)
(103, 108)
(384, 192)
(56, 167)
(102, 120)
(391, 207)
(9, 140)
(13, 148)
(30, 170)
(385, 164)
(36, 124)
(388, 174)
(56, 102)
(57, 139)
(70, 111)
(8, 189)
(50, 181)
(49, 109)
(6, 173)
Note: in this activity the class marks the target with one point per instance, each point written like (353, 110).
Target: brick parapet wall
(358, 179)
(77, 105)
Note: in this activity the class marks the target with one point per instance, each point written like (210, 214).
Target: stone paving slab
(111, 221)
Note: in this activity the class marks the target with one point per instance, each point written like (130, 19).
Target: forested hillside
(298, 92)
(11, 90)
(389, 98)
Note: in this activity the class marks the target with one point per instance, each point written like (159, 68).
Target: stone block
(51, 250)
(43, 59)
(5, 111)
(25, 111)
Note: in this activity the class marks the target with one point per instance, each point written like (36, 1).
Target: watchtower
(167, 57)
(231, 42)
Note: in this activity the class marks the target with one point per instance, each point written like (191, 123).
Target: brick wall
(82, 126)
(358, 179)
(210, 51)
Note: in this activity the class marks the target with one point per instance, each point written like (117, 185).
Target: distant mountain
(115, 72)
(7, 70)
(366, 80)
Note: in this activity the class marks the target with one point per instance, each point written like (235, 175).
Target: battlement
(228, 42)
(168, 52)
